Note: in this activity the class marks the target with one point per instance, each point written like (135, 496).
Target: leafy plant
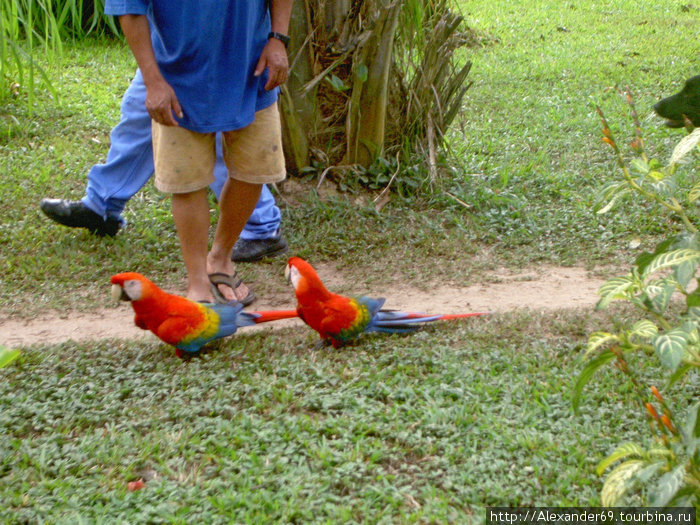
(24, 25)
(28, 25)
(668, 334)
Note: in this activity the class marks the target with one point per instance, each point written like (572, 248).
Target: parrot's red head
(131, 286)
(303, 276)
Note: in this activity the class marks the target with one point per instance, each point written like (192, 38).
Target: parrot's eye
(132, 288)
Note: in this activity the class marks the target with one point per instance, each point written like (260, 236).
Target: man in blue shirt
(128, 168)
(211, 66)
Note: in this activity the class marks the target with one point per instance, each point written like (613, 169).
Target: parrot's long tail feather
(273, 315)
(447, 317)
(396, 321)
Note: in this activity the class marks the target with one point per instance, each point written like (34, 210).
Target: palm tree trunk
(345, 79)
(367, 110)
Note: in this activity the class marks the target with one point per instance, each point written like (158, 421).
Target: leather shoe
(254, 250)
(75, 214)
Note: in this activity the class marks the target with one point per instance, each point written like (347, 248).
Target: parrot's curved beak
(118, 293)
(287, 274)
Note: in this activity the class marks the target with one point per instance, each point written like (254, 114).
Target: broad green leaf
(658, 452)
(336, 82)
(648, 472)
(685, 146)
(691, 425)
(679, 373)
(610, 194)
(7, 355)
(665, 187)
(362, 72)
(682, 240)
(670, 347)
(610, 189)
(655, 164)
(611, 203)
(661, 294)
(693, 313)
(613, 289)
(694, 192)
(644, 328)
(685, 272)
(668, 486)
(598, 339)
(669, 259)
(643, 260)
(690, 327)
(586, 374)
(640, 166)
(687, 240)
(623, 451)
(619, 481)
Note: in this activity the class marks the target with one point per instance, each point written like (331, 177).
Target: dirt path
(546, 288)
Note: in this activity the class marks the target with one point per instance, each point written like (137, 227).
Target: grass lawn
(428, 428)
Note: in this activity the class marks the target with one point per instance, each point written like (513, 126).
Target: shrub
(662, 286)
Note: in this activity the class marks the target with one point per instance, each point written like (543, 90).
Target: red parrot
(340, 319)
(187, 325)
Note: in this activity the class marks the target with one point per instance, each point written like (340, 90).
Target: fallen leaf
(135, 485)
(7, 355)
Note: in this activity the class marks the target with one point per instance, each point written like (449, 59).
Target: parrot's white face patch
(132, 289)
(292, 274)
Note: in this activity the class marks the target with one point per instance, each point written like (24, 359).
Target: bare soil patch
(541, 289)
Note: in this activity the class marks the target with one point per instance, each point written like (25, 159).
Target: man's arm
(274, 55)
(161, 100)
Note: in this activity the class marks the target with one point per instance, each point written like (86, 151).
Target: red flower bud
(652, 411)
(667, 423)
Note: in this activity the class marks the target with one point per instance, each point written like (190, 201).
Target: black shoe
(254, 250)
(75, 214)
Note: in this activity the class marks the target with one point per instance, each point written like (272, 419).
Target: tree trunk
(361, 85)
(367, 109)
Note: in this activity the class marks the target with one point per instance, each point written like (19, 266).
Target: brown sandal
(233, 282)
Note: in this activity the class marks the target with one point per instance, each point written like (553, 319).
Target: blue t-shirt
(207, 51)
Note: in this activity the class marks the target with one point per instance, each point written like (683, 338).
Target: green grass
(531, 149)
(427, 428)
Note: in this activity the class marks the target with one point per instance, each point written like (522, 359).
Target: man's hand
(161, 100)
(161, 103)
(274, 58)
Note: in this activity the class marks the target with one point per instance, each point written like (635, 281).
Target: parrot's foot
(185, 355)
(321, 343)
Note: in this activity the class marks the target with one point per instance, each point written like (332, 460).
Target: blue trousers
(129, 165)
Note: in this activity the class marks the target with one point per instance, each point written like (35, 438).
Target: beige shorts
(184, 160)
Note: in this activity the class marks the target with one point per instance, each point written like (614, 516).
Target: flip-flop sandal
(233, 282)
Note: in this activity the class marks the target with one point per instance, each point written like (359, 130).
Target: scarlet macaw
(340, 319)
(180, 322)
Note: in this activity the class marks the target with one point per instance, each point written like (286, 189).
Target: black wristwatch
(279, 36)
